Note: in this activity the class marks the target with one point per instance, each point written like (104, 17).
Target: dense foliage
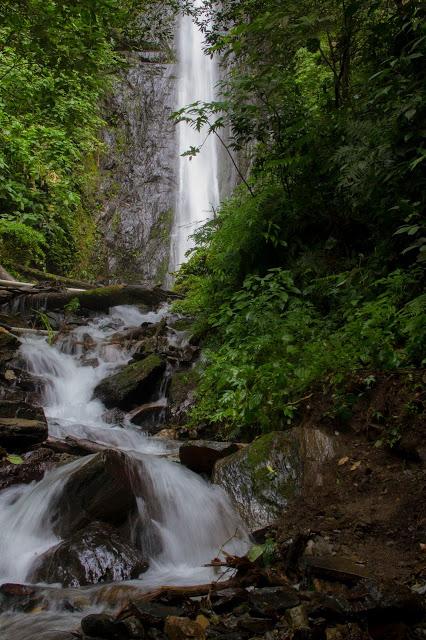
(56, 62)
(315, 267)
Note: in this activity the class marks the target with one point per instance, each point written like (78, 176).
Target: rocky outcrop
(101, 489)
(21, 425)
(138, 183)
(201, 455)
(262, 477)
(135, 383)
(90, 556)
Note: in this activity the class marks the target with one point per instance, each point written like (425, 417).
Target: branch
(235, 165)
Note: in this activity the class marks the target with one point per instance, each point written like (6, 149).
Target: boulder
(262, 477)
(21, 425)
(100, 489)
(133, 384)
(90, 556)
(201, 455)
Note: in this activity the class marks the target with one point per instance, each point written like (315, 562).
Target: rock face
(21, 425)
(101, 490)
(201, 455)
(138, 182)
(135, 383)
(95, 554)
(263, 476)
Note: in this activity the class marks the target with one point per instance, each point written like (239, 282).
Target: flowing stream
(192, 518)
(198, 177)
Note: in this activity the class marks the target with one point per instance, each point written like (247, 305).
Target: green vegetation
(315, 267)
(57, 60)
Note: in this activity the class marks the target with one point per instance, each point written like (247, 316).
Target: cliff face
(138, 184)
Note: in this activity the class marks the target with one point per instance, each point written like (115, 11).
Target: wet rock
(182, 394)
(19, 597)
(272, 601)
(101, 625)
(93, 555)
(255, 626)
(150, 417)
(34, 466)
(101, 489)
(21, 425)
(201, 455)
(262, 477)
(135, 383)
(225, 600)
(177, 628)
(167, 434)
(9, 345)
(154, 614)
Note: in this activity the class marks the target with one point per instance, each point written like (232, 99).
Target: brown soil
(371, 507)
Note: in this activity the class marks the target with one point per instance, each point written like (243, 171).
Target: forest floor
(370, 506)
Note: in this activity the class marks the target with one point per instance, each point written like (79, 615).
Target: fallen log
(170, 593)
(103, 298)
(19, 287)
(74, 446)
(37, 274)
(26, 330)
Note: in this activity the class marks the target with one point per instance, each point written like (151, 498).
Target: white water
(191, 518)
(198, 186)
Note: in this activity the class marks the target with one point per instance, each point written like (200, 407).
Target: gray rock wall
(138, 183)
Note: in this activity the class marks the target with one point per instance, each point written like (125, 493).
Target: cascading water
(198, 177)
(192, 519)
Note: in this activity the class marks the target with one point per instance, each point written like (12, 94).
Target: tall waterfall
(198, 186)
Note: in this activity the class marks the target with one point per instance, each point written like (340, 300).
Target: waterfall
(192, 519)
(198, 177)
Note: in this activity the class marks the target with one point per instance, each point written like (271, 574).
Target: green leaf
(14, 459)
(255, 552)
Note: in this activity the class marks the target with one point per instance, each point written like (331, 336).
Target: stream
(192, 519)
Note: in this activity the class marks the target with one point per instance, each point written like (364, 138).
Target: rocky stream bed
(118, 522)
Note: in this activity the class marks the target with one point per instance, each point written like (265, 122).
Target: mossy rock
(182, 394)
(134, 385)
(182, 384)
(262, 477)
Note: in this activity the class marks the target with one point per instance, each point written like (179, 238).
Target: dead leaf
(343, 461)
(356, 465)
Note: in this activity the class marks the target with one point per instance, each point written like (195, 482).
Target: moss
(183, 324)
(182, 383)
(139, 370)
(264, 454)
